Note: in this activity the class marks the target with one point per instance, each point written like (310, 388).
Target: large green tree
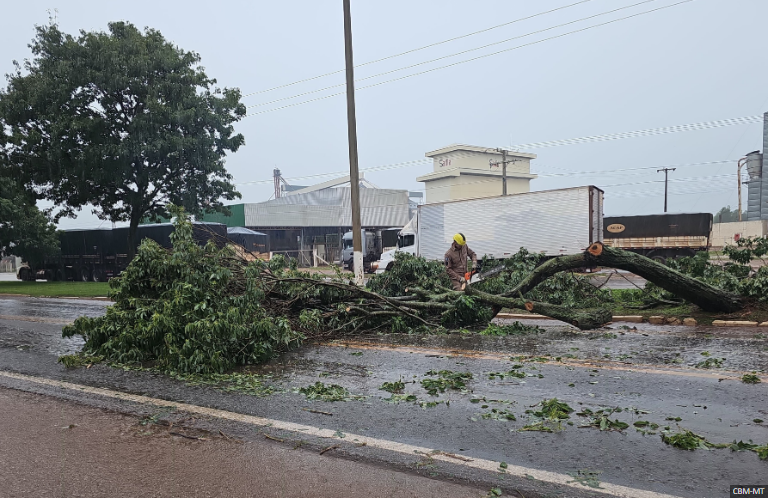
(25, 231)
(123, 120)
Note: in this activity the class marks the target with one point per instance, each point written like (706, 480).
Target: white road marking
(407, 449)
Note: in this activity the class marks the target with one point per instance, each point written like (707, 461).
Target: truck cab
(368, 239)
(406, 243)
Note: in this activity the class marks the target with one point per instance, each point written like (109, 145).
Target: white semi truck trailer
(549, 222)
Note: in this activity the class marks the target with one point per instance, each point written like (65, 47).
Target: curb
(654, 320)
(94, 298)
(735, 323)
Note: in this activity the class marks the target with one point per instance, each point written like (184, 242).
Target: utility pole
(740, 164)
(666, 184)
(504, 169)
(504, 172)
(352, 139)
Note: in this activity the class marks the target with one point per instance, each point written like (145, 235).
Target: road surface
(59, 448)
(650, 374)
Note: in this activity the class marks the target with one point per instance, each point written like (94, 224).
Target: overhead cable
(419, 48)
(450, 55)
(471, 59)
(642, 133)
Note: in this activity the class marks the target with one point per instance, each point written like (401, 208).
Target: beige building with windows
(470, 172)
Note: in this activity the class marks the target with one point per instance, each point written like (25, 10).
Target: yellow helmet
(460, 239)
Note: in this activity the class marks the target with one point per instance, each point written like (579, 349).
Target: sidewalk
(53, 448)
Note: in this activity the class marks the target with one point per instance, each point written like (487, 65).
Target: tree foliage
(25, 231)
(197, 309)
(123, 120)
(178, 309)
(727, 215)
(409, 271)
(735, 275)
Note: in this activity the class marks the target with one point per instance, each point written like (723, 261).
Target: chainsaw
(473, 276)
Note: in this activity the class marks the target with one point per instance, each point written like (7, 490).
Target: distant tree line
(727, 215)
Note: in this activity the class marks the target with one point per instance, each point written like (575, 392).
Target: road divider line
(569, 362)
(383, 444)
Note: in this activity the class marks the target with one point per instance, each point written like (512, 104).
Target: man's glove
(475, 265)
(462, 280)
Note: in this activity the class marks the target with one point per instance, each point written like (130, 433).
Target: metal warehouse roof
(330, 207)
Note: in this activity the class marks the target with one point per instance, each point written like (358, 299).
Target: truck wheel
(97, 275)
(659, 259)
(84, 274)
(48, 275)
(24, 274)
(61, 276)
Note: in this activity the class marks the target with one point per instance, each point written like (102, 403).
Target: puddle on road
(51, 343)
(298, 362)
(739, 351)
(59, 309)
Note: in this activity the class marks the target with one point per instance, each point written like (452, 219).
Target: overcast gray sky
(699, 61)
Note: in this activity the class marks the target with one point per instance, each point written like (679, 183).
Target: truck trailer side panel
(660, 236)
(551, 222)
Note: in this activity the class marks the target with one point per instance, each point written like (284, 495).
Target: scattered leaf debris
(750, 379)
(446, 380)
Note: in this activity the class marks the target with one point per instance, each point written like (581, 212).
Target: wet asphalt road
(649, 373)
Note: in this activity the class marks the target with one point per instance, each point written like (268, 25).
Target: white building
(470, 172)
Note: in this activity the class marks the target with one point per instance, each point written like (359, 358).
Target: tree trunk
(582, 319)
(705, 296)
(133, 228)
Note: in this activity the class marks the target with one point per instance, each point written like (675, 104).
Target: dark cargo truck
(99, 254)
(659, 236)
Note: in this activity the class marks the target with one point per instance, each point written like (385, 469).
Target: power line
(472, 59)
(419, 48)
(450, 55)
(689, 179)
(643, 133)
(384, 167)
(425, 162)
(573, 173)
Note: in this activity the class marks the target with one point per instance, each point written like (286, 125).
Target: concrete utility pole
(504, 169)
(352, 139)
(666, 184)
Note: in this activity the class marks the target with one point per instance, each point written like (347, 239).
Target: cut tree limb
(705, 296)
(584, 319)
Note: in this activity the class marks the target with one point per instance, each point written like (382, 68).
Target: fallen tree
(706, 296)
(197, 309)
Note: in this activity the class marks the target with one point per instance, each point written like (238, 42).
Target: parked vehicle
(660, 236)
(550, 222)
(99, 254)
(374, 242)
(251, 241)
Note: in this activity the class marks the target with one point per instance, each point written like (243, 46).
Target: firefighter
(456, 260)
